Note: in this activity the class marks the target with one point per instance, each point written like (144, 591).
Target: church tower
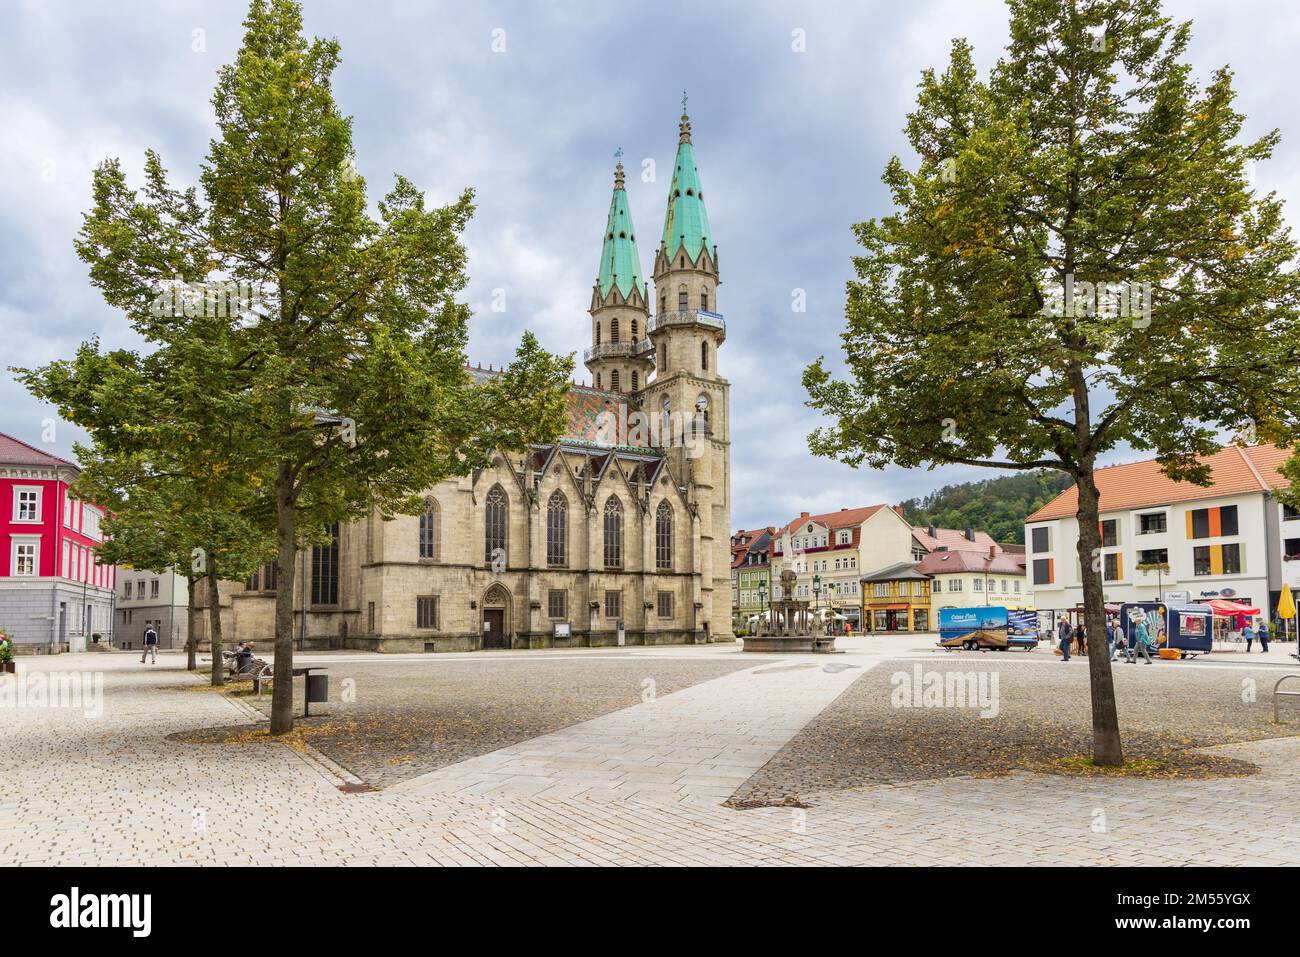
(686, 333)
(620, 357)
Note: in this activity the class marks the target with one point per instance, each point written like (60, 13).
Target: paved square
(634, 783)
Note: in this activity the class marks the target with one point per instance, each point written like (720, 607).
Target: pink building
(54, 594)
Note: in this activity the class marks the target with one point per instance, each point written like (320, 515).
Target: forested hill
(997, 505)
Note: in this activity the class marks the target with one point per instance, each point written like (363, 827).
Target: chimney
(970, 534)
(933, 531)
(803, 514)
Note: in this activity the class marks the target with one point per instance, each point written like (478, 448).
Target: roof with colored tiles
(1234, 470)
(954, 562)
(17, 452)
(954, 539)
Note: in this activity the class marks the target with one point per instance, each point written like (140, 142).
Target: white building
(1225, 540)
(148, 599)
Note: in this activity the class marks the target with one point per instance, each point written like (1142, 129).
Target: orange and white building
(1230, 539)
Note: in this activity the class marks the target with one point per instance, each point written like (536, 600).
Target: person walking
(1140, 644)
(1262, 635)
(1249, 634)
(150, 645)
(1110, 638)
(1081, 638)
(1064, 635)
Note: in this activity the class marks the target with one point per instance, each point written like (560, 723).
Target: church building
(611, 535)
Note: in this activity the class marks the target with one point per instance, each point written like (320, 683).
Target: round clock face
(702, 403)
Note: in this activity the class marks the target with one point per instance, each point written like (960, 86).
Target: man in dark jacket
(1064, 635)
(150, 645)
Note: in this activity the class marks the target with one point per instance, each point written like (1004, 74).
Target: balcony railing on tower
(687, 317)
(644, 349)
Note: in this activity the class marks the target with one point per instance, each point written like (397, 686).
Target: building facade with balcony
(1160, 537)
(54, 594)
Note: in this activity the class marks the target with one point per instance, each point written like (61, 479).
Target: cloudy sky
(527, 102)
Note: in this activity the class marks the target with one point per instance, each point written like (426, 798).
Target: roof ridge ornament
(618, 168)
(684, 127)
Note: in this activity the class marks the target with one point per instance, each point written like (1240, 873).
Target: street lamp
(817, 590)
(762, 598)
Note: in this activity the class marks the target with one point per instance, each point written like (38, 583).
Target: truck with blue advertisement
(988, 627)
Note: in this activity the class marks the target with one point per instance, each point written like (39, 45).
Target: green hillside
(997, 505)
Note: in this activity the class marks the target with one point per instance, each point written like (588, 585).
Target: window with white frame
(27, 504)
(25, 558)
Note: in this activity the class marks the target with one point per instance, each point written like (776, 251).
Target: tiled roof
(1234, 470)
(833, 520)
(900, 571)
(582, 410)
(17, 452)
(756, 539)
(952, 562)
(954, 538)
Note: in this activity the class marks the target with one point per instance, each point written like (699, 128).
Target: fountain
(789, 626)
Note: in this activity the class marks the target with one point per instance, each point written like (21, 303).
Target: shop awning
(1227, 609)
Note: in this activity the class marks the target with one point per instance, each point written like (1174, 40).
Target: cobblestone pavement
(115, 789)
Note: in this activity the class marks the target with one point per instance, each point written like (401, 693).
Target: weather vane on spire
(618, 154)
(683, 101)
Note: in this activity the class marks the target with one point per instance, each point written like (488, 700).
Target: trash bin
(318, 688)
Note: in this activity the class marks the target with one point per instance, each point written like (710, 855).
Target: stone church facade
(613, 534)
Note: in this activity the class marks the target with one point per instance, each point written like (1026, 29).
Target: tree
(1000, 316)
(173, 502)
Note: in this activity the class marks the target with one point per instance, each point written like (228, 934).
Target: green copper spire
(686, 220)
(620, 263)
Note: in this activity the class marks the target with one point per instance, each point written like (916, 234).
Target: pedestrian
(1249, 634)
(1081, 638)
(1064, 635)
(150, 645)
(1110, 638)
(1140, 644)
(1262, 635)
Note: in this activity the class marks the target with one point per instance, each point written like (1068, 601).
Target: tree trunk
(192, 624)
(1106, 750)
(286, 558)
(214, 623)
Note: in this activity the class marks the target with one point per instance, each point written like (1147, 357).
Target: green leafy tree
(339, 379)
(173, 501)
(997, 506)
(1089, 156)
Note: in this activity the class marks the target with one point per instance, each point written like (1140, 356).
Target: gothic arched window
(634, 330)
(494, 526)
(664, 536)
(613, 381)
(635, 381)
(704, 356)
(613, 330)
(429, 530)
(681, 298)
(557, 529)
(613, 532)
(597, 332)
(704, 300)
